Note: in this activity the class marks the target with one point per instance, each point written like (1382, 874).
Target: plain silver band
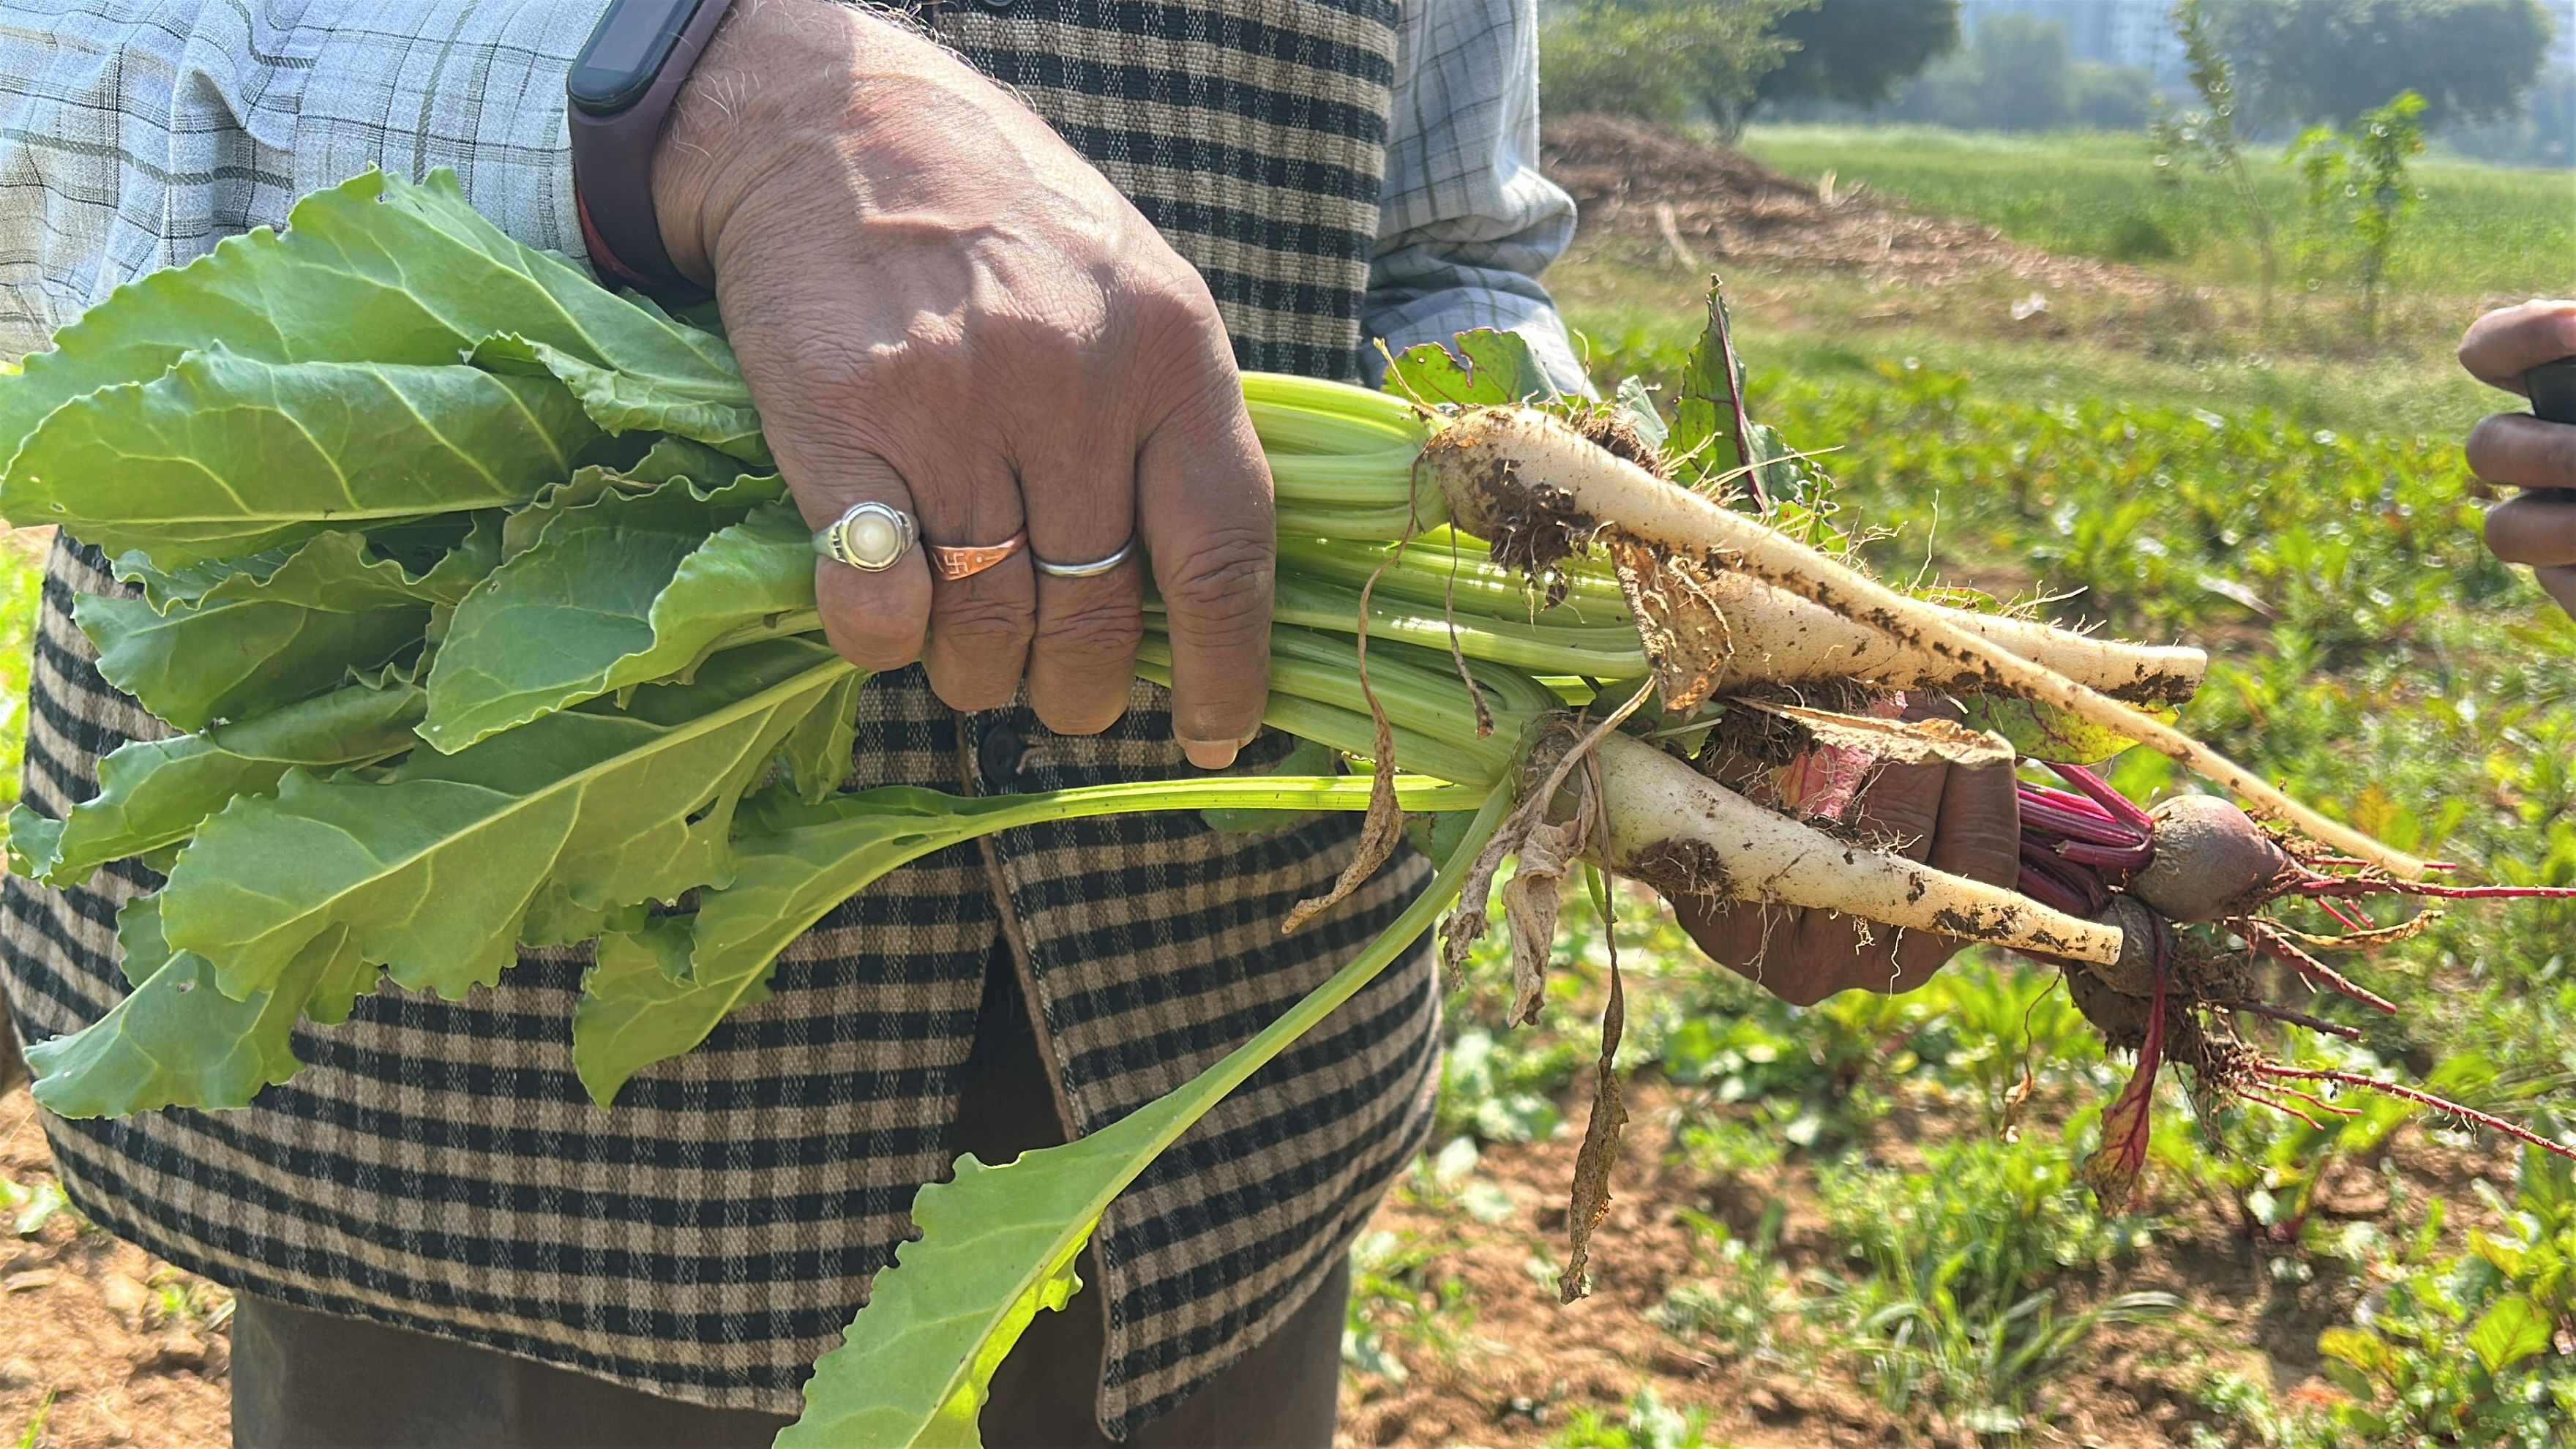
(1091, 570)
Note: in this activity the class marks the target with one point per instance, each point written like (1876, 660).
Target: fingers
(876, 620)
(2536, 528)
(980, 625)
(1081, 501)
(2518, 450)
(1979, 834)
(2559, 581)
(2503, 345)
(1204, 517)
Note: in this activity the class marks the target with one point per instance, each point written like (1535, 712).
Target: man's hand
(2517, 450)
(941, 307)
(1964, 821)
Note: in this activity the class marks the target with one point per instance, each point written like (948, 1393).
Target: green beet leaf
(254, 642)
(155, 793)
(721, 418)
(2045, 732)
(815, 756)
(785, 879)
(1483, 367)
(1701, 443)
(374, 270)
(227, 455)
(619, 591)
(541, 834)
(997, 1244)
(176, 1041)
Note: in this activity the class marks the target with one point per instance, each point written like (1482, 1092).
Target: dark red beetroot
(2211, 862)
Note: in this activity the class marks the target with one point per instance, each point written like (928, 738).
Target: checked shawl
(437, 1166)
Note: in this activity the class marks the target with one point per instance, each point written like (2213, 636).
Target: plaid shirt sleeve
(135, 134)
(1469, 223)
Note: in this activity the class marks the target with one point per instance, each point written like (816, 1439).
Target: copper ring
(966, 562)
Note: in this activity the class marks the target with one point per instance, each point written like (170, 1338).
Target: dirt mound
(1604, 159)
(1644, 190)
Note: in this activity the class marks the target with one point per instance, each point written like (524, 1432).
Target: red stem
(2049, 817)
(2316, 971)
(2325, 886)
(2066, 800)
(2052, 893)
(2122, 808)
(2284, 1108)
(2471, 1115)
(2106, 857)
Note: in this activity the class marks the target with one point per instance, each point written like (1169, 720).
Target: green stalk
(1447, 567)
(1460, 756)
(1560, 649)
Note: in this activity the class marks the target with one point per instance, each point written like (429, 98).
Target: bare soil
(109, 1345)
(1642, 191)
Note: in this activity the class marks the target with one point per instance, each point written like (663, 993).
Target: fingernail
(1209, 754)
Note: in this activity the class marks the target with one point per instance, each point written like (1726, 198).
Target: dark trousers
(305, 1380)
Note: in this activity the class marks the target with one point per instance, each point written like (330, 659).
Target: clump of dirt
(1654, 191)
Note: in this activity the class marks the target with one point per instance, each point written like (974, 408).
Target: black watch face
(626, 50)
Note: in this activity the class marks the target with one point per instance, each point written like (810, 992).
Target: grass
(1806, 326)
(2483, 228)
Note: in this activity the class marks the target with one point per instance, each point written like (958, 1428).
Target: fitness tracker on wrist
(618, 95)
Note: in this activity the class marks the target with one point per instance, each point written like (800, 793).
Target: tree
(2112, 97)
(2023, 71)
(1859, 51)
(2209, 136)
(1614, 61)
(1659, 58)
(2357, 181)
(2014, 76)
(2332, 60)
(2543, 135)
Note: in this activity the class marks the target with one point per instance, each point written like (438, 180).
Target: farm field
(1861, 1223)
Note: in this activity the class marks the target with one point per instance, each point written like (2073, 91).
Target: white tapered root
(1776, 637)
(1498, 466)
(1684, 834)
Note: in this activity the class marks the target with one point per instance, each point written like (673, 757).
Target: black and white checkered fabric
(437, 1166)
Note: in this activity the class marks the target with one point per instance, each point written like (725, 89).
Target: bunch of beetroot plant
(349, 470)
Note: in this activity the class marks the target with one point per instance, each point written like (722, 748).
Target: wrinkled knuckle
(980, 629)
(1052, 342)
(1094, 636)
(1223, 583)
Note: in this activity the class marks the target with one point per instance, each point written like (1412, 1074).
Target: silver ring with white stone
(871, 537)
(1091, 570)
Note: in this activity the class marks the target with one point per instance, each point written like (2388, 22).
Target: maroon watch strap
(612, 162)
